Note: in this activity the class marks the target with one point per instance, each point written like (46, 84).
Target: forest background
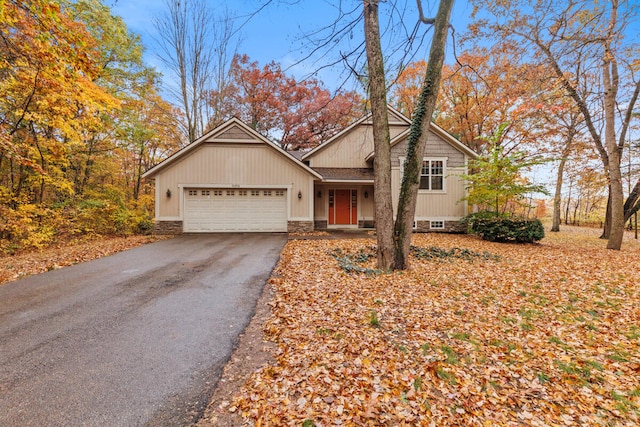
(84, 111)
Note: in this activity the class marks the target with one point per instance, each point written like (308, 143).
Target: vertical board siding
(231, 165)
(350, 149)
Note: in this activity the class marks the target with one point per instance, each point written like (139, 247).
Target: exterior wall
(436, 147)
(234, 166)
(445, 205)
(299, 226)
(351, 149)
(167, 227)
(366, 208)
(449, 227)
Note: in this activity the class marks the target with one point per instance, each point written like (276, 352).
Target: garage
(232, 209)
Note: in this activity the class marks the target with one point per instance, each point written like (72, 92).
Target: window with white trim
(206, 193)
(217, 192)
(432, 175)
(242, 192)
(279, 193)
(436, 225)
(267, 192)
(255, 192)
(193, 192)
(231, 192)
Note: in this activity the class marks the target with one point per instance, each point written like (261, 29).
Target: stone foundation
(367, 224)
(167, 227)
(320, 225)
(449, 227)
(300, 226)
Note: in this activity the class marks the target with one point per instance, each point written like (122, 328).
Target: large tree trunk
(611, 81)
(381, 137)
(417, 139)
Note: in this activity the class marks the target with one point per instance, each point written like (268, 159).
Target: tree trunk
(611, 81)
(555, 226)
(632, 206)
(417, 139)
(381, 136)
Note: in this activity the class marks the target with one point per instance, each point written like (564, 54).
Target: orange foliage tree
(298, 114)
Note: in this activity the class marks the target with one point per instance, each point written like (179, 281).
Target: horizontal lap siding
(435, 147)
(230, 165)
(436, 205)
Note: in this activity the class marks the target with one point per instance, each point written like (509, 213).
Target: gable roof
(233, 130)
(395, 117)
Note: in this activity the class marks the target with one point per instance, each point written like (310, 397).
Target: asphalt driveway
(137, 338)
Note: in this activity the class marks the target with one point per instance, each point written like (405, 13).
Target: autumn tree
(485, 88)
(298, 114)
(71, 73)
(585, 37)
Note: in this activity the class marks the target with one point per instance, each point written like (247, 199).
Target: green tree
(498, 184)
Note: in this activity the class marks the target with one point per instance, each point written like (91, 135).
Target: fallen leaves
(523, 335)
(13, 267)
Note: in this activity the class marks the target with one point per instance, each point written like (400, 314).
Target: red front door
(343, 208)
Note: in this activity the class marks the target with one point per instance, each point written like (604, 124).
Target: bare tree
(193, 44)
(381, 136)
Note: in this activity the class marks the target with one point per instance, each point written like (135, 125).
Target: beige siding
(351, 149)
(436, 205)
(235, 132)
(436, 147)
(229, 166)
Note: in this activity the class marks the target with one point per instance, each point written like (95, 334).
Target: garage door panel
(211, 210)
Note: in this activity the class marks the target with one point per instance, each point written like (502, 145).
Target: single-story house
(234, 179)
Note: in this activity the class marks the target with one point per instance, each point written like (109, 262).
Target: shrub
(496, 228)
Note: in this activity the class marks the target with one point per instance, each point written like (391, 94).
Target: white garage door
(210, 210)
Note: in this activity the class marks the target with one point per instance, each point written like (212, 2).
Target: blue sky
(276, 32)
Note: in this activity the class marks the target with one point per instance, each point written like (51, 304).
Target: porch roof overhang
(350, 175)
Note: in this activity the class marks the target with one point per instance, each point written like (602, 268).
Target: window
(432, 175)
(267, 192)
(242, 192)
(279, 193)
(231, 193)
(193, 192)
(436, 225)
(255, 192)
(217, 192)
(206, 193)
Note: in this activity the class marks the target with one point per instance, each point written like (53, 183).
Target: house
(234, 179)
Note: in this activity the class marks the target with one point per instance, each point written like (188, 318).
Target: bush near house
(498, 228)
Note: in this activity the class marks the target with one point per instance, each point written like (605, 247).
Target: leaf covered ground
(13, 267)
(474, 334)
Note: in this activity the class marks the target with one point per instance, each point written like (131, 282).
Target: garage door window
(217, 192)
(231, 193)
(255, 192)
(267, 193)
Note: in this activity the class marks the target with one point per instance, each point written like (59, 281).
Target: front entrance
(343, 207)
